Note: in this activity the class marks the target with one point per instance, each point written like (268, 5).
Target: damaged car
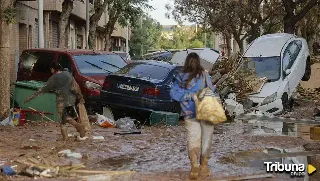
(141, 86)
(280, 61)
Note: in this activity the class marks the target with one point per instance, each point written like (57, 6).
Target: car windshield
(263, 67)
(99, 64)
(123, 55)
(141, 70)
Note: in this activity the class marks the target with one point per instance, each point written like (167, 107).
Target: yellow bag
(208, 106)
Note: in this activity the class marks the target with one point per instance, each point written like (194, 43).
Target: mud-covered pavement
(159, 153)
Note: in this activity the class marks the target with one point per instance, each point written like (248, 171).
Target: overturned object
(234, 108)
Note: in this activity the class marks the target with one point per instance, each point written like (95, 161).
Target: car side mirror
(288, 71)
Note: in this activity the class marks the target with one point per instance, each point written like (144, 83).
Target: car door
(290, 56)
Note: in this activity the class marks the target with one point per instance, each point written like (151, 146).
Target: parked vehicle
(141, 85)
(284, 60)
(208, 57)
(124, 55)
(88, 67)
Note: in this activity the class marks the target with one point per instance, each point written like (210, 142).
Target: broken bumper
(272, 108)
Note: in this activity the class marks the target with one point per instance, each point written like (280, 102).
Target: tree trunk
(289, 26)
(311, 41)
(108, 32)
(99, 8)
(228, 39)
(92, 35)
(5, 61)
(239, 42)
(67, 7)
(107, 46)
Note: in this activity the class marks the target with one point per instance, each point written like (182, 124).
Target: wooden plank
(247, 177)
(102, 172)
(275, 156)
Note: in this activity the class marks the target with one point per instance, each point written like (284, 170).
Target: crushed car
(276, 63)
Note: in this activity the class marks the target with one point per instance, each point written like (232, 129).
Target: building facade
(24, 32)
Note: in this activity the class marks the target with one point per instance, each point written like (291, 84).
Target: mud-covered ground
(159, 153)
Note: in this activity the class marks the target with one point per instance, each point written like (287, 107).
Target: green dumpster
(45, 102)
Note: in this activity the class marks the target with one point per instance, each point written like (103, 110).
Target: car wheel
(307, 73)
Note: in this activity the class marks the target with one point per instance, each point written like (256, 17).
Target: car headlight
(269, 99)
(91, 85)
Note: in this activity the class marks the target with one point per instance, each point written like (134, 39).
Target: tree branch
(305, 10)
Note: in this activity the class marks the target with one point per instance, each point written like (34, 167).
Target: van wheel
(307, 73)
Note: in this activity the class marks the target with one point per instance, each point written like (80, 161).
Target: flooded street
(239, 149)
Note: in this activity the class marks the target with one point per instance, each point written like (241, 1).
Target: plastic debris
(126, 123)
(105, 122)
(7, 121)
(233, 107)
(8, 170)
(74, 155)
(65, 151)
(98, 137)
(81, 139)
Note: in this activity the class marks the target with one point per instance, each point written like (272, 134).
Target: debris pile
(228, 78)
(315, 59)
(309, 94)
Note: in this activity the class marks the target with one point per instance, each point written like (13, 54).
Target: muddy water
(309, 134)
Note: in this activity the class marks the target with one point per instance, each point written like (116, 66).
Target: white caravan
(281, 59)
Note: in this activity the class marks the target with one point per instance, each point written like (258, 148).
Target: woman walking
(68, 94)
(199, 133)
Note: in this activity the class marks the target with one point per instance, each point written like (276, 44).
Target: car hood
(267, 89)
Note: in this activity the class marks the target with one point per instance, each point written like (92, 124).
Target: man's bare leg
(79, 127)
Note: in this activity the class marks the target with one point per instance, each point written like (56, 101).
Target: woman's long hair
(193, 67)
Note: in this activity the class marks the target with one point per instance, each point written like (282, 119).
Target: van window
(37, 61)
(65, 62)
(35, 65)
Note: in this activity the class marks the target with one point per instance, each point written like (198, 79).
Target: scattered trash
(105, 122)
(65, 151)
(126, 123)
(69, 153)
(32, 140)
(36, 171)
(8, 170)
(31, 147)
(233, 107)
(81, 139)
(98, 137)
(7, 122)
(74, 155)
(127, 132)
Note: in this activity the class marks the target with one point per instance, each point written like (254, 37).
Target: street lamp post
(87, 24)
(40, 24)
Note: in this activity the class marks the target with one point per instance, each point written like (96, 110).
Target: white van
(284, 60)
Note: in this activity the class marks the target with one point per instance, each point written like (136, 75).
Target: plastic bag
(105, 122)
(126, 123)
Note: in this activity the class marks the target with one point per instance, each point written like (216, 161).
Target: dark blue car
(141, 85)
